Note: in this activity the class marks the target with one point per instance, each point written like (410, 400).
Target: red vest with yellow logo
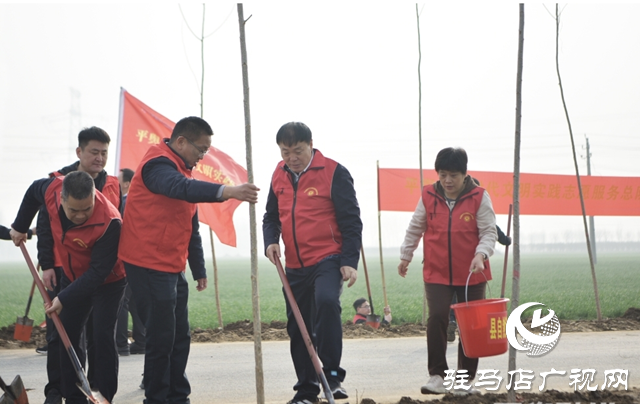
(451, 238)
(309, 227)
(157, 229)
(75, 245)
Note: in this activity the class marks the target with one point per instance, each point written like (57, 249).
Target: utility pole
(591, 220)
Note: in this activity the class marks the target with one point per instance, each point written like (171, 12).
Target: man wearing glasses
(159, 235)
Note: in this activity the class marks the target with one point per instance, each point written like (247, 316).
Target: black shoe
(123, 350)
(53, 397)
(136, 349)
(42, 350)
(338, 393)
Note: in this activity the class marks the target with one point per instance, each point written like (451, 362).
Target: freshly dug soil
(276, 330)
(550, 396)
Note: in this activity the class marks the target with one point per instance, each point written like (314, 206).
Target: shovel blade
(22, 332)
(373, 321)
(17, 394)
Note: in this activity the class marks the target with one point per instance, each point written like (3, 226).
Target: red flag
(141, 127)
(540, 194)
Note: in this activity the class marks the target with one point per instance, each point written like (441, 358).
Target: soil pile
(277, 330)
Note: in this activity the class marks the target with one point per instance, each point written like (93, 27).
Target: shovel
(305, 334)
(15, 393)
(24, 325)
(93, 396)
(373, 320)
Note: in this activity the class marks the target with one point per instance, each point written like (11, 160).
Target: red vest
(357, 317)
(451, 238)
(309, 227)
(75, 245)
(158, 229)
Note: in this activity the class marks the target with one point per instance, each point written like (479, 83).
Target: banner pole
(384, 285)
(120, 124)
(255, 295)
(215, 281)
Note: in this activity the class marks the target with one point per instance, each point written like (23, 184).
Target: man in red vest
(92, 153)
(159, 235)
(312, 204)
(86, 230)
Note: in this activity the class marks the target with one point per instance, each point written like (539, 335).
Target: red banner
(540, 194)
(141, 127)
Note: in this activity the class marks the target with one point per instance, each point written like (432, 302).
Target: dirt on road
(276, 330)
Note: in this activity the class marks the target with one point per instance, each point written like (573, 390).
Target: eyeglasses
(200, 152)
(365, 306)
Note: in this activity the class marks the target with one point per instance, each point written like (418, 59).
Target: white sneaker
(435, 385)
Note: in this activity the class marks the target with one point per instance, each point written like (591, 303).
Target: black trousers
(122, 332)
(439, 302)
(53, 344)
(104, 304)
(162, 298)
(317, 291)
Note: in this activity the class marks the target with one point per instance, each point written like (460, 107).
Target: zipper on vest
(449, 233)
(293, 217)
(450, 257)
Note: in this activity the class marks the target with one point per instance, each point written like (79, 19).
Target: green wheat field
(562, 282)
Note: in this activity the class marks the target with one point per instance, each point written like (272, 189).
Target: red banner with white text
(540, 194)
(141, 127)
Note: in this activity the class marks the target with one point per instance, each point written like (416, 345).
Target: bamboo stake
(575, 163)
(424, 290)
(515, 287)
(255, 296)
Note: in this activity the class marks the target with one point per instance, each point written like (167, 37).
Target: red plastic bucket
(482, 325)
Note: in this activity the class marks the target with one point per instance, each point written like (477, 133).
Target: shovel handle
(366, 278)
(61, 331)
(303, 331)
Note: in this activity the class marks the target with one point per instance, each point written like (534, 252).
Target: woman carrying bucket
(456, 220)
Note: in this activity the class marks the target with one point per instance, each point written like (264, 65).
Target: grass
(562, 282)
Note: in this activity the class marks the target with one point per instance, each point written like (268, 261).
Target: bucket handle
(466, 288)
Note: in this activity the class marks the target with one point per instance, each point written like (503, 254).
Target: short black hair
(292, 133)
(77, 184)
(191, 127)
(93, 133)
(127, 174)
(452, 159)
(358, 303)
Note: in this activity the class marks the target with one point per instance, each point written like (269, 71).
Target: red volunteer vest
(358, 317)
(74, 246)
(309, 227)
(157, 230)
(450, 242)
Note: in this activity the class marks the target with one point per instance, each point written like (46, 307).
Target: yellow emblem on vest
(311, 191)
(80, 243)
(467, 217)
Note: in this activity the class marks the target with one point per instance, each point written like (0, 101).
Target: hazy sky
(349, 71)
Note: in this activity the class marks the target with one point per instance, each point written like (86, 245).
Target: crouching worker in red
(85, 230)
